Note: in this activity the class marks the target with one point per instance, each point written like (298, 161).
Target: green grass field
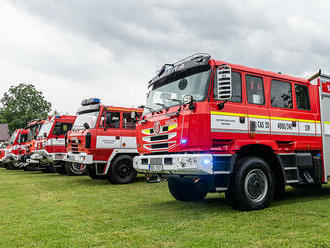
(52, 210)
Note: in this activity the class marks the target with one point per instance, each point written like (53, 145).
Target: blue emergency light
(90, 101)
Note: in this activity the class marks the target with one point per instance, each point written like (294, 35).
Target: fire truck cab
(212, 126)
(103, 139)
(15, 147)
(49, 151)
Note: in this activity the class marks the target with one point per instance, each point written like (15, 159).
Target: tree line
(21, 104)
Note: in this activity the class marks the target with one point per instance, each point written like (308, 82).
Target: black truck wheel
(185, 190)
(91, 171)
(252, 185)
(122, 171)
(75, 169)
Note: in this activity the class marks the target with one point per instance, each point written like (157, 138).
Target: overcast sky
(75, 49)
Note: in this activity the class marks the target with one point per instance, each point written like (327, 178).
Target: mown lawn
(52, 210)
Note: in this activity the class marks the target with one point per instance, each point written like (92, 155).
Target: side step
(291, 175)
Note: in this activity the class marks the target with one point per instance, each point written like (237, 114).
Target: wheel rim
(78, 167)
(256, 185)
(124, 170)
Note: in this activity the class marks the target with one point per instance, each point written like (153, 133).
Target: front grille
(159, 146)
(160, 137)
(144, 161)
(155, 161)
(168, 161)
(74, 148)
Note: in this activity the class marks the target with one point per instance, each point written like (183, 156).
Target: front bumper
(81, 158)
(46, 157)
(183, 164)
(8, 158)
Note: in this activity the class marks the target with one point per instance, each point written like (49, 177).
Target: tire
(185, 190)
(252, 185)
(122, 171)
(61, 170)
(92, 173)
(310, 187)
(75, 169)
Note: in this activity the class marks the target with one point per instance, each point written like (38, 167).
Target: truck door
(257, 107)
(230, 122)
(325, 120)
(284, 124)
(128, 139)
(109, 134)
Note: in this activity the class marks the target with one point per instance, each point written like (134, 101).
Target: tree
(21, 104)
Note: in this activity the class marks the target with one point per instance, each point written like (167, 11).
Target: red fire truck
(103, 139)
(49, 147)
(212, 126)
(15, 148)
(33, 128)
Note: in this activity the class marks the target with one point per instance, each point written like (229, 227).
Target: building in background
(4, 133)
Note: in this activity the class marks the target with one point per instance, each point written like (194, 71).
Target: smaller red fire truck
(49, 147)
(103, 139)
(15, 148)
(211, 126)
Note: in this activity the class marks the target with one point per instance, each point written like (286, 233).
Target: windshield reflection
(171, 93)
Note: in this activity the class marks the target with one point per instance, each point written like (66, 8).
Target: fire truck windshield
(90, 118)
(45, 129)
(33, 132)
(171, 92)
(13, 137)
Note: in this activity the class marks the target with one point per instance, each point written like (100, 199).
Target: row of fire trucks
(100, 140)
(208, 127)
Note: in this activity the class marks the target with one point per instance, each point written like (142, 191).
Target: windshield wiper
(151, 109)
(161, 104)
(176, 100)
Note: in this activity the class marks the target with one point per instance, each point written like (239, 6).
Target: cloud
(112, 48)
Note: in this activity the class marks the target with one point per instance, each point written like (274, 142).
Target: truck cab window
(237, 87)
(281, 94)
(128, 122)
(113, 120)
(64, 128)
(302, 96)
(255, 90)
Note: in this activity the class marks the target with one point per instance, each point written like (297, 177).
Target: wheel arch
(117, 155)
(266, 153)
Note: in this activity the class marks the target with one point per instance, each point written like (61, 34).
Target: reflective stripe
(264, 117)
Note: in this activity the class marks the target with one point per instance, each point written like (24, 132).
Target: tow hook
(153, 178)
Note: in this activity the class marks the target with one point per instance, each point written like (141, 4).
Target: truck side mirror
(86, 125)
(135, 116)
(223, 83)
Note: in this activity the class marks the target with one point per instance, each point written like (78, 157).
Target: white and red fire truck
(49, 148)
(212, 126)
(15, 148)
(103, 139)
(27, 145)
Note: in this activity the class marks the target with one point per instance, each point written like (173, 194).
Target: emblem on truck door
(157, 127)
